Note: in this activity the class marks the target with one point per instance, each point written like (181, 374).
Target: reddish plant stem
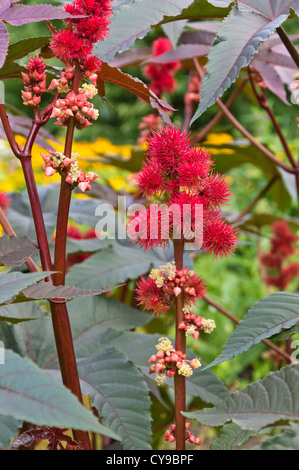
(61, 232)
(262, 100)
(60, 319)
(59, 313)
(201, 135)
(62, 327)
(180, 345)
(253, 140)
(65, 199)
(37, 214)
(244, 131)
(8, 132)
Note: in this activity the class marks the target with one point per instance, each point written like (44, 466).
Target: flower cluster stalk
(180, 345)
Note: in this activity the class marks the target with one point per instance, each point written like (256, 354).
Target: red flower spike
(77, 41)
(162, 75)
(219, 238)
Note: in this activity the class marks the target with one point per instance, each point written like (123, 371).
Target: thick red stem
(180, 345)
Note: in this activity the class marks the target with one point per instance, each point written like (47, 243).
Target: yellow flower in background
(218, 139)
(89, 158)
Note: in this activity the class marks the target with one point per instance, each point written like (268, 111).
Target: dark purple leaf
(18, 15)
(249, 23)
(54, 435)
(5, 4)
(198, 37)
(182, 52)
(134, 85)
(275, 58)
(46, 290)
(13, 250)
(4, 43)
(271, 79)
(131, 57)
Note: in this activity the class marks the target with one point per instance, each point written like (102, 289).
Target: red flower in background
(4, 201)
(74, 232)
(283, 244)
(162, 75)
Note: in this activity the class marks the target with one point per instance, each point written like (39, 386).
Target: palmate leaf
(18, 15)
(23, 47)
(4, 5)
(9, 427)
(102, 312)
(260, 404)
(46, 290)
(265, 319)
(289, 440)
(238, 39)
(114, 265)
(134, 85)
(18, 313)
(120, 395)
(36, 339)
(4, 42)
(13, 250)
(133, 21)
(29, 394)
(200, 9)
(231, 435)
(13, 283)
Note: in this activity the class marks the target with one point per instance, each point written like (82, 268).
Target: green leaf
(174, 30)
(238, 39)
(13, 283)
(231, 435)
(29, 394)
(120, 395)
(262, 403)
(10, 70)
(289, 440)
(23, 47)
(113, 266)
(104, 312)
(237, 153)
(8, 430)
(201, 9)
(16, 313)
(265, 319)
(14, 249)
(133, 21)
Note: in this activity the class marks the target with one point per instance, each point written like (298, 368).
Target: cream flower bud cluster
(167, 362)
(58, 162)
